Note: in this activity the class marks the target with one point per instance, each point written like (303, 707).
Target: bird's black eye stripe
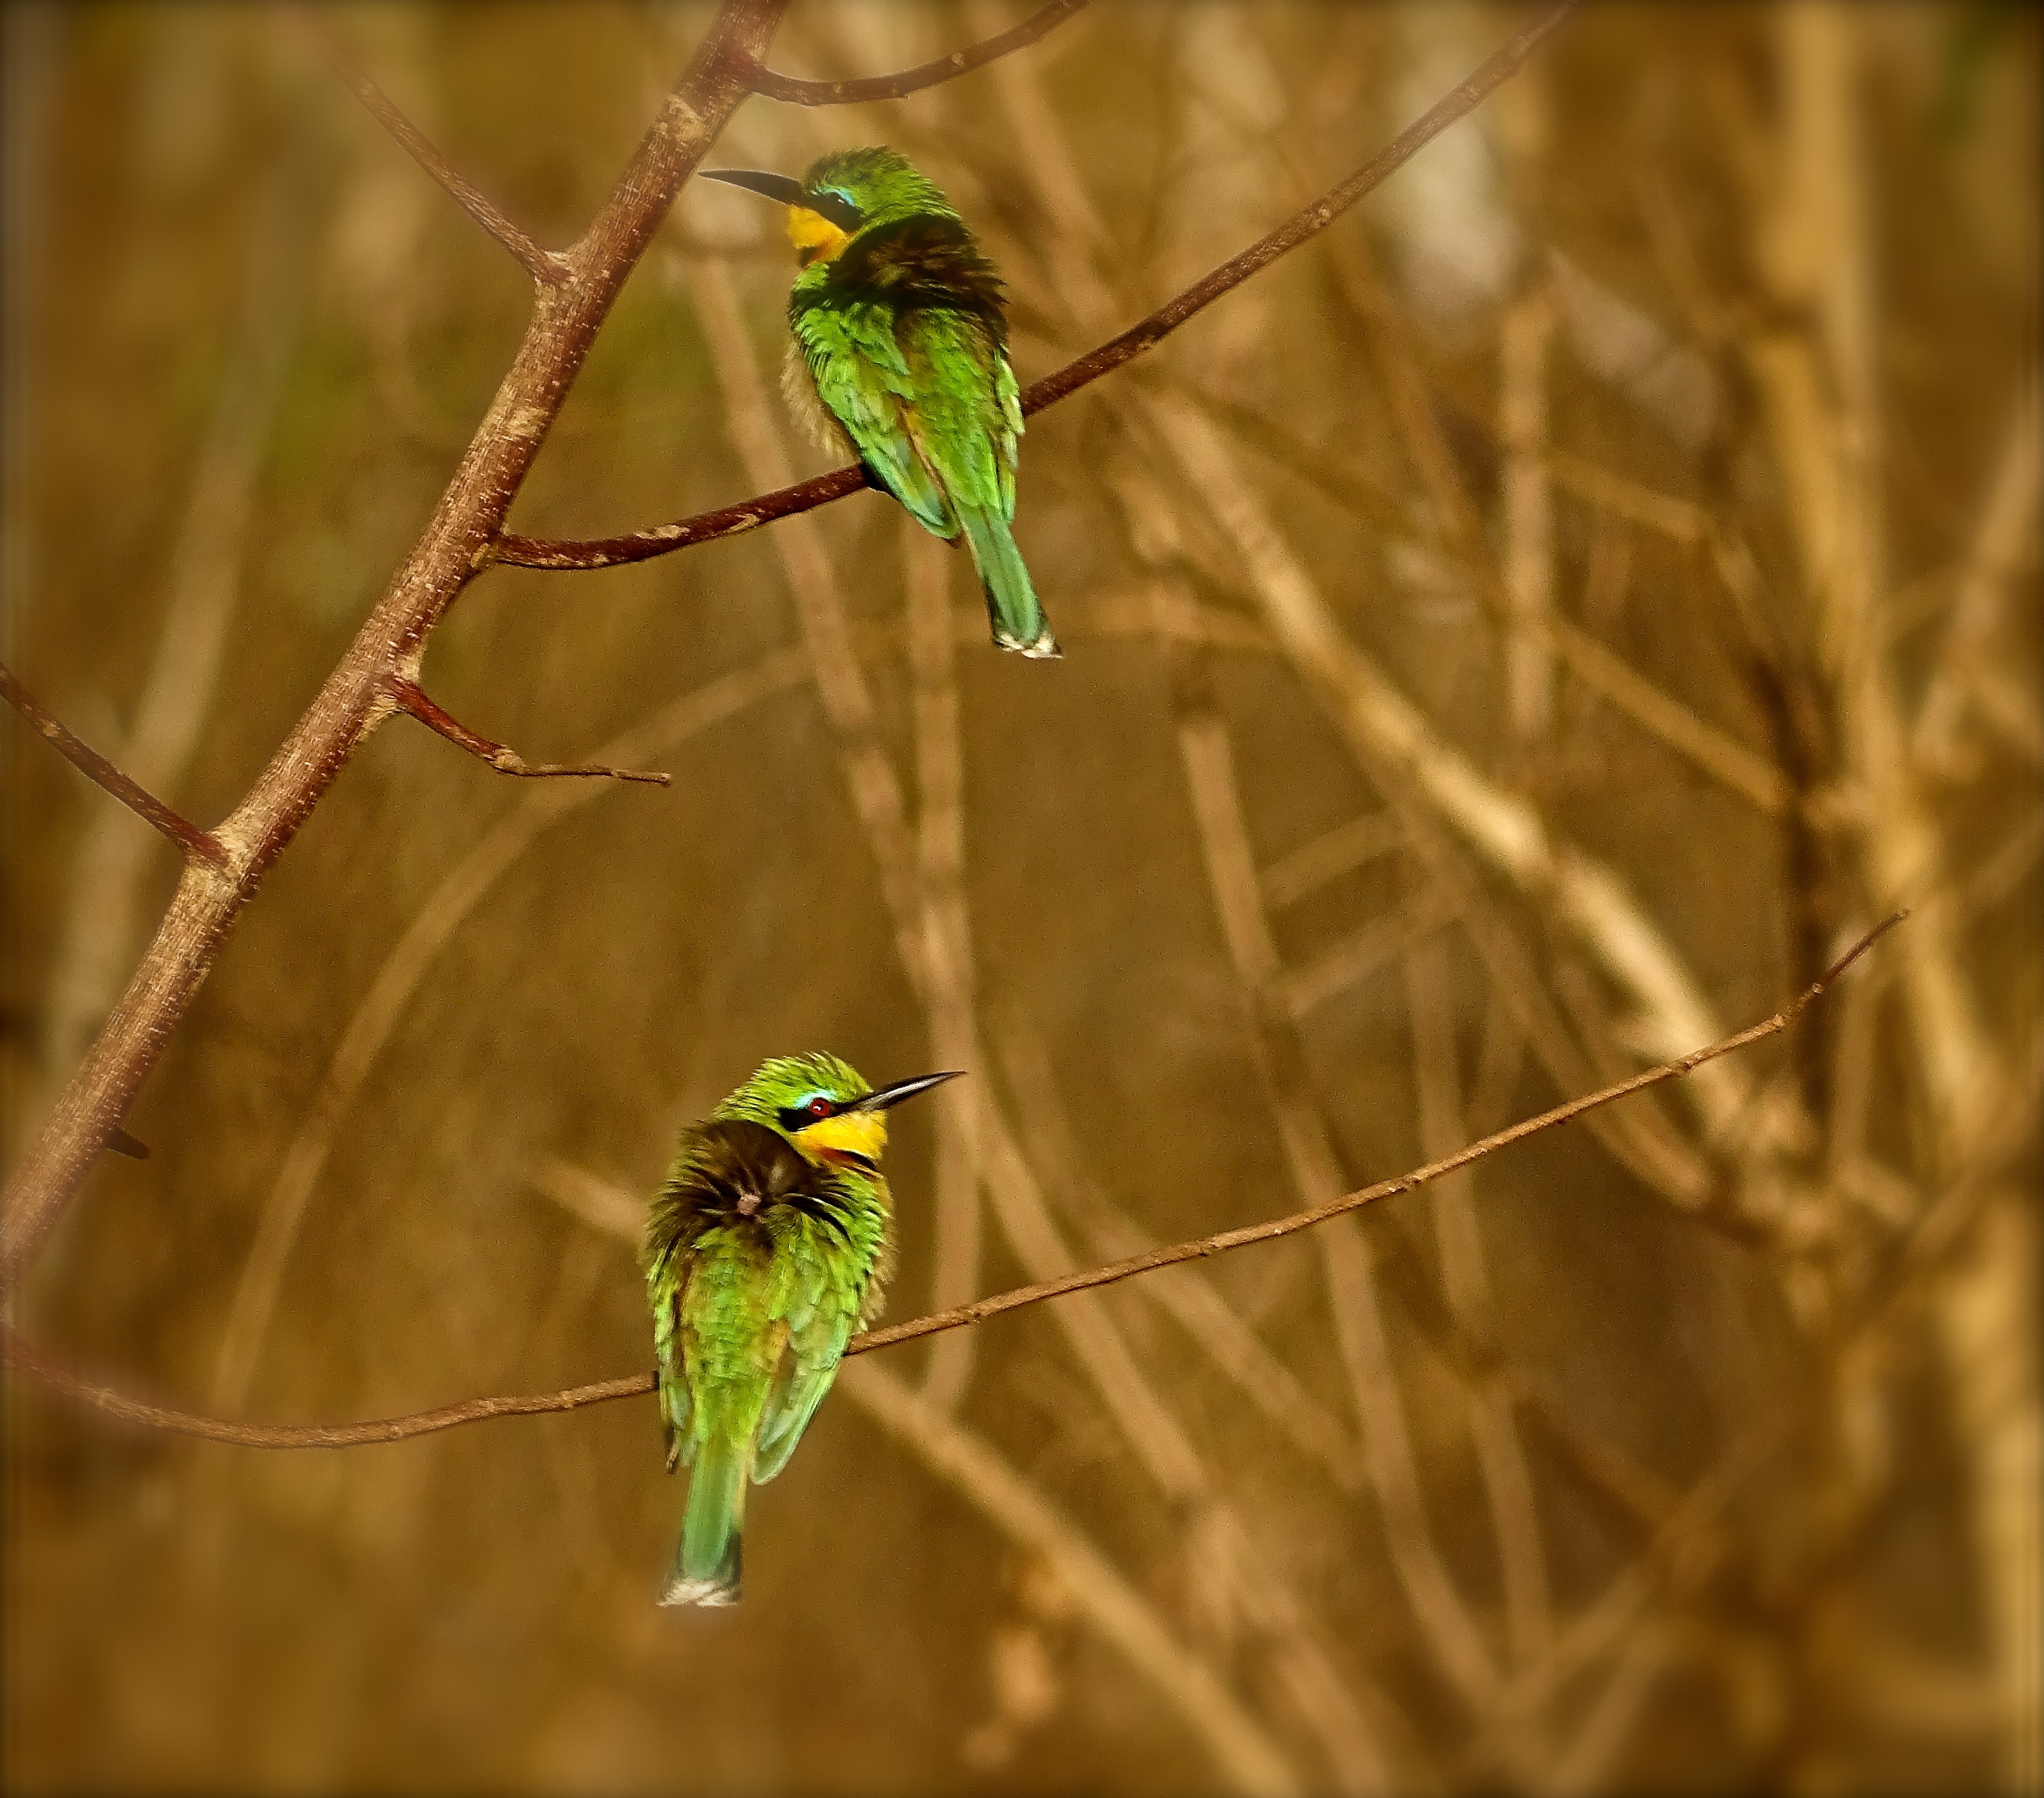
(811, 1111)
(835, 208)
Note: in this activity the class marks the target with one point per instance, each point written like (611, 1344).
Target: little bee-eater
(766, 1250)
(900, 357)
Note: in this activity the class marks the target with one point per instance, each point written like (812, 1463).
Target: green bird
(766, 1249)
(900, 357)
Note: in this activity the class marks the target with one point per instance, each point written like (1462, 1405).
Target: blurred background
(1525, 634)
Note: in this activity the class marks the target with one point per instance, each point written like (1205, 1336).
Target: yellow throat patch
(815, 238)
(860, 1134)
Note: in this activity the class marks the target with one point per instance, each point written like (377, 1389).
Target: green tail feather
(707, 1560)
(1011, 604)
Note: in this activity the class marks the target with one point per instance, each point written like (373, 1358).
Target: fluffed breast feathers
(737, 1162)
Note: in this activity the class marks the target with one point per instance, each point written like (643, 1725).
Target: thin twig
(413, 700)
(660, 540)
(1326, 857)
(1227, 1240)
(200, 845)
(546, 267)
(19, 1354)
(1496, 70)
(1038, 25)
(26, 1359)
(2006, 517)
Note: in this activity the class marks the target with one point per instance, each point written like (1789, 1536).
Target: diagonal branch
(196, 844)
(413, 699)
(355, 700)
(546, 267)
(22, 1356)
(660, 540)
(1038, 25)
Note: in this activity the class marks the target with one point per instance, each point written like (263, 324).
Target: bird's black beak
(887, 1098)
(782, 187)
(833, 206)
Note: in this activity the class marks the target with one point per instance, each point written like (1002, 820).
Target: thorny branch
(26, 1358)
(731, 520)
(466, 533)
(195, 842)
(356, 698)
(1038, 25)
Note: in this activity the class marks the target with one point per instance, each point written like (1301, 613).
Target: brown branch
(413, 699)
(548, 267)
(1038, 25)
(196, 844)
(20, 1355)
(25, 1358)
(706, 527)
(661, 539)
(354, 698)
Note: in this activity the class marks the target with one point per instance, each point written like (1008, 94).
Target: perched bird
(900, 357)
(765, 1250)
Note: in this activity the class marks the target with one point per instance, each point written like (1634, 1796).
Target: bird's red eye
(818, 1106)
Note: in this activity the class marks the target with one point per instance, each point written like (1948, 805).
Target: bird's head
(824, 1107)
(844, 193)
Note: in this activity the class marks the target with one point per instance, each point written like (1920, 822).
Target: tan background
(1661, 447)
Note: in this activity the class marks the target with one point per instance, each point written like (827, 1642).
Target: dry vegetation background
(1520, 636)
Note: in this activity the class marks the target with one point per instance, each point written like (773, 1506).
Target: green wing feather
(929, 398)
(955, 419)
(864, 381)
(820, 1313)
(676, 1405)
(805, 1375)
